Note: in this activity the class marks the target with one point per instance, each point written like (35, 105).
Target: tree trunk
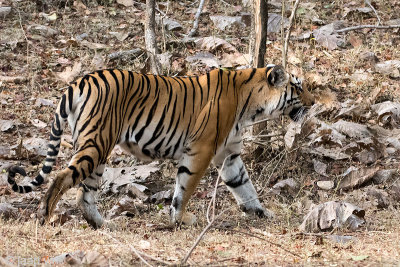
(150, 36)
(260, 27)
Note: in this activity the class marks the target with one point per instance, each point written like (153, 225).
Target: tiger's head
(276, 92)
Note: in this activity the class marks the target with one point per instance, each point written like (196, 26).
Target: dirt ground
(78, 37)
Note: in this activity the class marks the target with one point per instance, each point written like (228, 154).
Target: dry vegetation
(77, 37)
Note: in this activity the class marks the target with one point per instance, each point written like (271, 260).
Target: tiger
(195, 120)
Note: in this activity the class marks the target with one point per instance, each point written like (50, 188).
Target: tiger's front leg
(191, 168)
(234, 174)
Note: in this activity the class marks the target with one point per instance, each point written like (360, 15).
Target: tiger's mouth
(297, 113)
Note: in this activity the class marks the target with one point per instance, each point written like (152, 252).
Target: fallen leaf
(390, 67)
(275, 21)
(171, 24)
(213, 44)
(6, 125)
(38, 123)
(382, 176)
(223, 22)
(36, 145)
(69, 74)
(388, 113)
(42, 30)
(161, 196)
(327, 37)
(44, 102)
(125, 3)
(205, 58)
(286, 187)
(354, 177)
(320, 167)
(125, 205)
(94, 46)
(352, 129)
(233, 60)
(331, 215)
(116, 177)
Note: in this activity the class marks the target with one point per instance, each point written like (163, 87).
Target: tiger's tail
(60, 119)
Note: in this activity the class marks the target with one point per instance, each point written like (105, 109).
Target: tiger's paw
(42, 215)
(259, 211)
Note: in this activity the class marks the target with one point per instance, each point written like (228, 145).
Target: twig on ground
(138, 253)
(261, 238)
(359, 27)
(376, 13)
(286, 43)
(193, 31)
(307, 35)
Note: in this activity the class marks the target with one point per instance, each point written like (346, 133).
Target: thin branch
(359, 27)
(201, 236)
(193, 31)
(376, 13)
(286, 43)
(214, 197)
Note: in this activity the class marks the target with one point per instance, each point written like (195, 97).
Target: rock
(326, 185)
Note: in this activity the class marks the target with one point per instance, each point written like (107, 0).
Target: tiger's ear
(277, 75)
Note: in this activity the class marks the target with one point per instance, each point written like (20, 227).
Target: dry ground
(237, 240)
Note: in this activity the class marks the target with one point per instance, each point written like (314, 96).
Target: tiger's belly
(150, 153)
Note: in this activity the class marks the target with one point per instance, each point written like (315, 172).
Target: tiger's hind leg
(80, 167)
(234, 174)
(86, 198)
(191, 168)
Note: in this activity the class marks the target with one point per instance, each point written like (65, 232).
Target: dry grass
(219, 247)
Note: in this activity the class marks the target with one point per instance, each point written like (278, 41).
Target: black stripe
(245, 105)
(253, 71)
(63, 112)
(46, 169)
(75, 174)
(183, 169)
